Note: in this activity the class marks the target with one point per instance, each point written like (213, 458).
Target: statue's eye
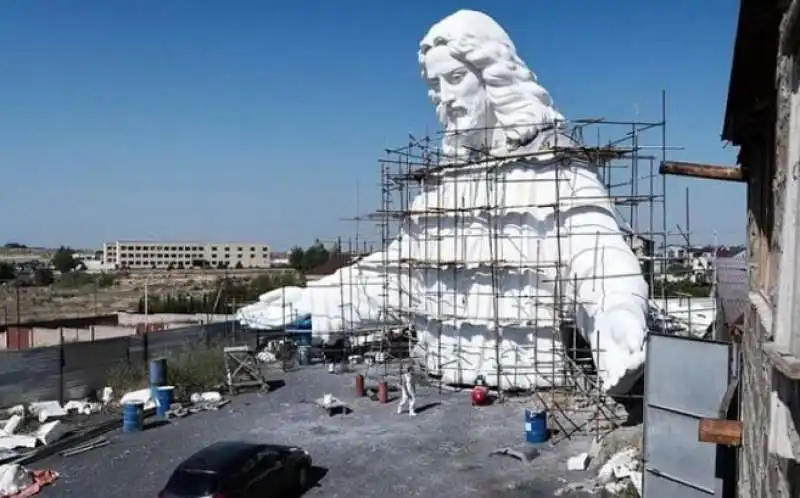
(455, 77)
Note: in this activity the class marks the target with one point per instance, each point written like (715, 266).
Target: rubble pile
(198, 402)
(617, 460)
(25, 427)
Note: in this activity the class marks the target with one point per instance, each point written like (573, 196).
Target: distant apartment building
(147, 254)
(280, 259)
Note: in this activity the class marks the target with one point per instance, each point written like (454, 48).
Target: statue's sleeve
(602, 275)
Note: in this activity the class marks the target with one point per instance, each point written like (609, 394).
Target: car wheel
(303, 476)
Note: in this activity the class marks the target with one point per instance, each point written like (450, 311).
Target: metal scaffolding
(626, 156)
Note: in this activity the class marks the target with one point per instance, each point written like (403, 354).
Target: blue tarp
(302, 323)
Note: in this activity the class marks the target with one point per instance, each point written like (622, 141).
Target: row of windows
(186, 257)
(184, 248)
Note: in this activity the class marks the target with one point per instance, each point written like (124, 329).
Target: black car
(235, 469)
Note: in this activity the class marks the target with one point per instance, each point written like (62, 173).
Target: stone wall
(762, 475)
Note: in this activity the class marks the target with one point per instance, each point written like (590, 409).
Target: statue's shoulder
(545, 141)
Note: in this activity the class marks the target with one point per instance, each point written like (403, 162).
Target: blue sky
(264, 121)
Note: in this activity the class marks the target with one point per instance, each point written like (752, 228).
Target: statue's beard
(470, 130)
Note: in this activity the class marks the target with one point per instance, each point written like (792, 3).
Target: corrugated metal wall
(38, 374)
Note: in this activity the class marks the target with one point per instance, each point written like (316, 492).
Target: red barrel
(383, 392)
(479, 395)
(359, 385)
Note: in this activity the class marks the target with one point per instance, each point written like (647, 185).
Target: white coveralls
(408, 394)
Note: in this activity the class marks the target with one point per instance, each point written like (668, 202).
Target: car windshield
(190, 482)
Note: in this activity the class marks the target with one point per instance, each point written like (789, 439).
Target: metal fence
(76, 370)
(685, 381)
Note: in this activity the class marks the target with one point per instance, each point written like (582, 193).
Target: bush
(197, 368)
(76, 279)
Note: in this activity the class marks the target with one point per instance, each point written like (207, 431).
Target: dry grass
(196, 368)
(58, 301)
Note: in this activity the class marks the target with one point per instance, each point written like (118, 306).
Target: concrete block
(17, 441)
(11, 425)
(47, 410)
(579, 462)
(51, 432)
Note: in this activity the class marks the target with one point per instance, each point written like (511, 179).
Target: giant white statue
(503, 243)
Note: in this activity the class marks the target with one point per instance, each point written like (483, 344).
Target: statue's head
(485, 95)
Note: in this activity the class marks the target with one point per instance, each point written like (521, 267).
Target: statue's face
(459, 93)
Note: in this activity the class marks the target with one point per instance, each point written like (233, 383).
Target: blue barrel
(165, 396)
(132, 417)
(536, 426)
(158, 372)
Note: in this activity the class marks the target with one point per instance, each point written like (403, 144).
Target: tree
(43, 277)
(15, 245)
(7, 272)
(239, 265)
(296, 258)
(315, 255)
(63, 260)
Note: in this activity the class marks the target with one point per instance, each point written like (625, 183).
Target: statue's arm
(602, 273)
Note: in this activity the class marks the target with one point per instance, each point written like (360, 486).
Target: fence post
(91, 328)
(61, 365)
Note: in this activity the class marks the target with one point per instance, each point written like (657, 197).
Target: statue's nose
(447, 96)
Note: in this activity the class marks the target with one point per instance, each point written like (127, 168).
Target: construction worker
(408, 392)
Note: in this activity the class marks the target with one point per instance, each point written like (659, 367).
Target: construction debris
(39, 423)
(579, 462)
(82, 406)
(18, 482)
(622, 471)
(143, 396)
(47, 410)
(87, 446)
(211, 400)
(616, 457)
(332, 405)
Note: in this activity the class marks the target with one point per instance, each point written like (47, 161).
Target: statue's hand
(621, 327)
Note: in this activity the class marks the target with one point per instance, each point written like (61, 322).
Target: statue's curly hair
(520, 104)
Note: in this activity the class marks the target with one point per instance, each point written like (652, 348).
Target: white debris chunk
(619, 466)
(615, 487)
(144, 396)
(265, 357)
(47, 410)
(211, 397)
(82, 406)
(579, 462)
(17, 441)
(636, 480)
(51, 432)
(107, 396)
(13, 479)
(17, 410)
(11, 425)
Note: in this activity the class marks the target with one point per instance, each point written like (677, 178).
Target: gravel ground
(371, 452)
